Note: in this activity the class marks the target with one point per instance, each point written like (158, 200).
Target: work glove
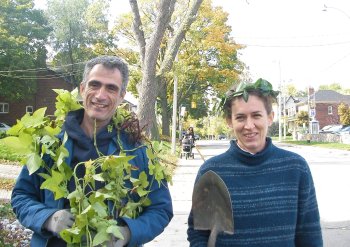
(115, 242)
(60, 220)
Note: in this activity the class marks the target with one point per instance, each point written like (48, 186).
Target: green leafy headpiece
(244, 88)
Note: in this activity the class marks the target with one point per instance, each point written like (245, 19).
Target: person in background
(272, 190)
(102, 89)
(190, 135)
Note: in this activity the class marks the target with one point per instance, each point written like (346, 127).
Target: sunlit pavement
(330, 169)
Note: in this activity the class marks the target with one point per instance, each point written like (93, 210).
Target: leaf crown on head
(244, 88)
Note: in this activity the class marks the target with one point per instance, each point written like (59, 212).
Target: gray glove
(60, 220)
(125, 231)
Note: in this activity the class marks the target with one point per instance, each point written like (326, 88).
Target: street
(330, 169)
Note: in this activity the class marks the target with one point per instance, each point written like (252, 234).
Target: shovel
(211, 206)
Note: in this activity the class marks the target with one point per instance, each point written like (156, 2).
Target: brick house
(47, 80)
(10, 111)
(322, 106)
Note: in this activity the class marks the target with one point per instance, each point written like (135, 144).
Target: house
(326, 106)
(47, 80)
(321, 105)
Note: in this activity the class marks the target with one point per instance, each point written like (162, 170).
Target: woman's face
(250, 123)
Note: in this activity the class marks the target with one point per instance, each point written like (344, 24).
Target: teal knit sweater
(273, 199)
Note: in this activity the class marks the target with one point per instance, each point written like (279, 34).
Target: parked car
(4, 127)
(342, 131)
(222, 137)
(196, 137)
(331, 128)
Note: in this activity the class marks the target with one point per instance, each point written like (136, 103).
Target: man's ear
(81, 88)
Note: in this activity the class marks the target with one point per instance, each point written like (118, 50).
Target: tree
(302, 118)
(292, 91)
(334, 86)
(149, 51)
(344, 113)
(23, 35)
(79, 27)
(207, 63)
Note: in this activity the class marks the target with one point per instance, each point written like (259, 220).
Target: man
(103, 88)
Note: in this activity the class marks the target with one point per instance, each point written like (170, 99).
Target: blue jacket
(34, 206)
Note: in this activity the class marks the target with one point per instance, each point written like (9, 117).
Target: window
(330, 110)
(4, 107)
(29, 109)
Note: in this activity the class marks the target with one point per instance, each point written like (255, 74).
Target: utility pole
(173, 133)
(279, 105)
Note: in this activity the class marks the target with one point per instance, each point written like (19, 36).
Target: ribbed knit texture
(273, 199)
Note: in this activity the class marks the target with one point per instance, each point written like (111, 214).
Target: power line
(42, 69)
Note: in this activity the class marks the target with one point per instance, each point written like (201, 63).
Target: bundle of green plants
(35, 136)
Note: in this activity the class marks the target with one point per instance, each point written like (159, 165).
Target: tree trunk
(148, 89)
(164, 108)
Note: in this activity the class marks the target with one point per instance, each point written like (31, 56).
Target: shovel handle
(212, 237)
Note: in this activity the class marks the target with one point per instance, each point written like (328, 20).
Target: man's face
(101, 94)
(250, 122)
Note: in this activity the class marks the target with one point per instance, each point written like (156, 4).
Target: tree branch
(138, 30)
(179, 36)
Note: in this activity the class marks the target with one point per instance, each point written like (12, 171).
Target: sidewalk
(8, 172)
(181, 193)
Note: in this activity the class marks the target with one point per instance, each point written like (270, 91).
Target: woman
(272, 191)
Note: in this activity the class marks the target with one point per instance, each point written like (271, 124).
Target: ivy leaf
(100, 209)
(101, 237)
(37, 119)
(75, 195)
(33, 162)
(245, 95)
(99, 177)
(54, 184)
(87, 209)
(62, 151)
(52, 131)
(141, 192)
(71, 235)
(143, 179)
(113, 229)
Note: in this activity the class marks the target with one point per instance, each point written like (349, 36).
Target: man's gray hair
(109, 62)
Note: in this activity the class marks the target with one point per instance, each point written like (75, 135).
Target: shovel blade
(211, 204)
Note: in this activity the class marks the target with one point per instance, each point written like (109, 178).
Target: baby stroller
(187, 145)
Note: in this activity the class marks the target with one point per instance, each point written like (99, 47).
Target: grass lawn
(333, 145)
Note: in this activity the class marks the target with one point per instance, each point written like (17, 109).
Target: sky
(293, 41)
(288, 41)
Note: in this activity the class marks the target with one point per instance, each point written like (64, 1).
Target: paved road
(330, 169)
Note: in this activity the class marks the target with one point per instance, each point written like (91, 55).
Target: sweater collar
(251, 159)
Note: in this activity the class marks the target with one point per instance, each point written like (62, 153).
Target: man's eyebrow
(95, 81)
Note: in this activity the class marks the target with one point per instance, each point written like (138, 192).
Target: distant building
(321, 105)
(47, 80)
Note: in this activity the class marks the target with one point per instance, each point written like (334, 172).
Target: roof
(331, 96)
(130, 98)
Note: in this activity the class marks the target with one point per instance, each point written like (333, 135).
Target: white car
(4, 127)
